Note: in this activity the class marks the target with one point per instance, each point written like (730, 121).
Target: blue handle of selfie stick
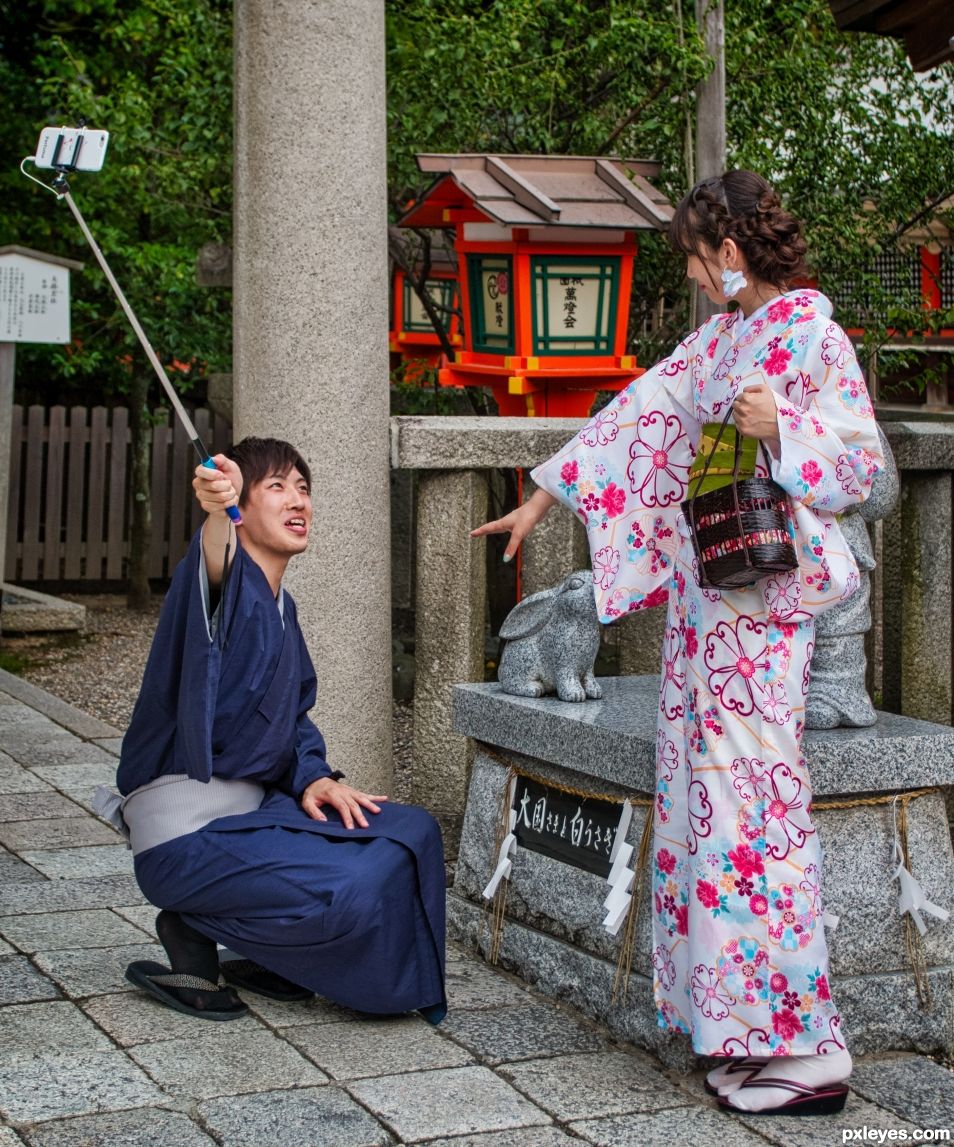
(232, 511)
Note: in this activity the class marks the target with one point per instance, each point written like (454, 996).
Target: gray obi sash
(174, 805)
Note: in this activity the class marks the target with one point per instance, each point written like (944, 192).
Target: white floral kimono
(739, 953)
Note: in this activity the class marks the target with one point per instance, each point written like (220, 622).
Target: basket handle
(737, 459)
(735, 472)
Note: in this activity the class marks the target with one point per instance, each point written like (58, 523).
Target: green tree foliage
(157, 75)
(856, 142)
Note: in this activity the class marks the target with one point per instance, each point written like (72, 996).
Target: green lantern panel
(415, 317)
(491, 303)
(574, 304)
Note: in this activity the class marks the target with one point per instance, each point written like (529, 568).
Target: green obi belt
(723, 460)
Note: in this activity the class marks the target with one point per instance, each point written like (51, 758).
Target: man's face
(277, 513)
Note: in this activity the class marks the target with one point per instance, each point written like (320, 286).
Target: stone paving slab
(14, 870)
(56, 750)
(9, 1138)
(455, 1101)
(133, 1018)
(80, 723)
(112, 745)
(62, 895)
(798, 1131)
(21, 983)
(56, 1084)
(78, 782)
(702, 1128)
(376, 1047)
(77, 863)
(910, 1086)
(203, 1068)
(26, 1029)
(15, 779)
(521, 1137)
(475, 985)
(37, 806)
(142, 915)
(286, 1015)
(573, 1087)
(145, 1127)
(306, 1117)
(95, 971)
(523, 1032)
(65, 832)
(5, 949)
(50, 931)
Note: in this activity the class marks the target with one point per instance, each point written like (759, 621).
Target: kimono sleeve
(829, 448)
(309, 764)
(625, 475)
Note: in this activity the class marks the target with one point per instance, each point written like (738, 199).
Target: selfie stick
(62, 191)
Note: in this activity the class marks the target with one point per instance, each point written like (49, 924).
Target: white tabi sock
(728, 1077)
(816, 1071)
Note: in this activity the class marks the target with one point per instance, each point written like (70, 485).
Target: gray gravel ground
(100, 672)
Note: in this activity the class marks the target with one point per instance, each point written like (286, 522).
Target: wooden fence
(69, 508)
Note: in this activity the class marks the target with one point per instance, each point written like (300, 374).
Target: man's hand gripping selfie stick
(61, 189)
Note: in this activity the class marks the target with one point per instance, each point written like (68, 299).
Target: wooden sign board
(34, 300)
(564, 827)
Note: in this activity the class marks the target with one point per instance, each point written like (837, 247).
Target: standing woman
(739, 956)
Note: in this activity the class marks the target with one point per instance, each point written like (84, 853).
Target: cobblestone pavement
(85, 1060)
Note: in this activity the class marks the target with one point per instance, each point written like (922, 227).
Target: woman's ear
(731, 255)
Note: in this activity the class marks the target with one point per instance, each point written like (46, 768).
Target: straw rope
(496, 910)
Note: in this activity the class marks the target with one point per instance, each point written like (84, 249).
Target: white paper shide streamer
(508, 848)
(621, 876)
(911, 896)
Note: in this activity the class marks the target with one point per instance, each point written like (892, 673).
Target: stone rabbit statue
(552, 640)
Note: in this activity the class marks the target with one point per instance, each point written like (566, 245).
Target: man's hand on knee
(347, 801)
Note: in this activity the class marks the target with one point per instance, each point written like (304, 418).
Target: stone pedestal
(554, 936)
(451, 584)
(310, 332)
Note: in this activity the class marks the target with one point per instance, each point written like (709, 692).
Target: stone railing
(912, 590)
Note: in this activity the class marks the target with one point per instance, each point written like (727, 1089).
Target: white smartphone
(76, 148)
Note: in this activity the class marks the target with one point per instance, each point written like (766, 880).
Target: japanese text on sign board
(560, 825)
(34, 301)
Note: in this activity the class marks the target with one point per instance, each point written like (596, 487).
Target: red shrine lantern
(545, 248)
(412, 336)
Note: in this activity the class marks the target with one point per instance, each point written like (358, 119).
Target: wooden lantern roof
(540, 191)
(926, 26)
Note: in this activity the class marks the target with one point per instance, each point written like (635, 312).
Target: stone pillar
(641, 638)
(8, 353)
(449, 639)
(556, 548)
(925, 557)
(310, 332)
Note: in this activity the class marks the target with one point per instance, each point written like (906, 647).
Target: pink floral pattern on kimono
(739, 958)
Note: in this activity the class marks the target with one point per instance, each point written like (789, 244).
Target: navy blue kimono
(356, 915)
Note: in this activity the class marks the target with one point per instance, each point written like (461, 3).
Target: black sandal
(213, 1002)
(254, 978)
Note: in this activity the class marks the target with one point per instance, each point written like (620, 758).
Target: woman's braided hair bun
(742, 206)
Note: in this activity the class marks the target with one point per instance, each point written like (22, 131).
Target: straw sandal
(214, 1002)
(826, 1100)
(254, 978)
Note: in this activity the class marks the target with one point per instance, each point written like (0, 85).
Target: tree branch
(661, 85)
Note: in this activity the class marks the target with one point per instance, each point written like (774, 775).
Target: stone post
(8, 358)
(556, 548)
(310, 332)
(451, 586)
(926, 645)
